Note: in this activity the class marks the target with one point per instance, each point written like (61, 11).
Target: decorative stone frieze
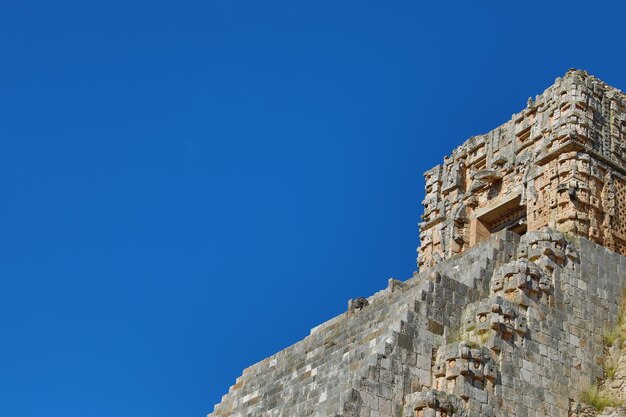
(559, 163)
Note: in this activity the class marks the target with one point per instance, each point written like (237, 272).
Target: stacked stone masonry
(561, 163)
(513, 325)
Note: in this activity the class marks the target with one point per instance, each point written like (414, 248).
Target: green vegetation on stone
(599, 399)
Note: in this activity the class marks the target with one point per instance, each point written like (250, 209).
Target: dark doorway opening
(510, 215)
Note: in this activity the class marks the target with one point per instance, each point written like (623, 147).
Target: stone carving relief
(562, 154)
(433, 403)
(458, 367)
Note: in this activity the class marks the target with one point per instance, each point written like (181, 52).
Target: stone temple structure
(559, 163)
(521, 273)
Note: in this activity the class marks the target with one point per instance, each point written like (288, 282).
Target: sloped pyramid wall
(511, 327)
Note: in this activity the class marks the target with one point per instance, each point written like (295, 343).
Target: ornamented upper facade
(560, 162)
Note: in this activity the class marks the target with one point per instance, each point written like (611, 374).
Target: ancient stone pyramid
(522, 269)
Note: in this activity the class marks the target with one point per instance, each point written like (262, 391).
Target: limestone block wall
(363, 362)
(560, 162)
(512, 327)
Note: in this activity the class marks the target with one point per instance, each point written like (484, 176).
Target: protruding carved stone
(434, 403)
(357, 304)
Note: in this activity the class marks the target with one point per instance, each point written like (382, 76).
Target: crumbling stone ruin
(521, 273)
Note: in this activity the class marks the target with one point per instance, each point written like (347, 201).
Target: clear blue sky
(190, 186)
